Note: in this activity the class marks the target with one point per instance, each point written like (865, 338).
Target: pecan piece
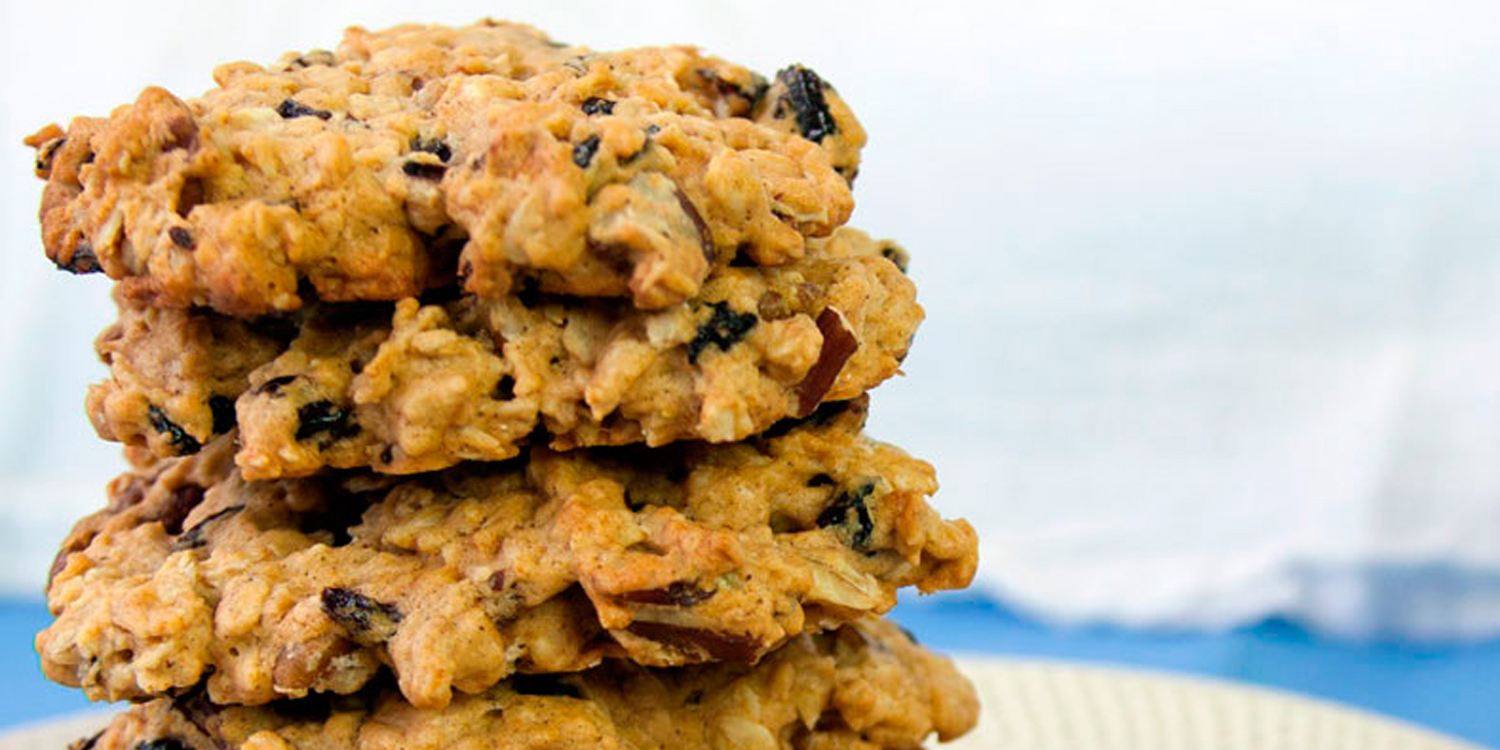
(676, 594)
(839, 344)
(719, 646)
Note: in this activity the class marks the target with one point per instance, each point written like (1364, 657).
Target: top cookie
(422, 156)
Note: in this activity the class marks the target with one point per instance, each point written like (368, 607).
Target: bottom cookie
(865, 686)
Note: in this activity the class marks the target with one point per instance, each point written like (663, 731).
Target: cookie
(864, 687)
(548, 563)
(424, 156)
(420, 386)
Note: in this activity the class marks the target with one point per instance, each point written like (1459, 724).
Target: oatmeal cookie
(419, 386)
(866, 686)
(667, 556)
(412, 157)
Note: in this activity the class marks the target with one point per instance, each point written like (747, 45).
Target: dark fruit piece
(597, 106)
(365, 620)
(289, 109)
(324, 416)
(849, 515)
(186, 444)
(804, 95)
(676, 594)
(583, 153)
(724, 329)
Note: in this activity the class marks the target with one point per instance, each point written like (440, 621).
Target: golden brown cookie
(413, 156)
(415, 387)
(866, 686)
(549, 563)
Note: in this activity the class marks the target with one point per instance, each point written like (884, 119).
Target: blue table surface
(1451, 688)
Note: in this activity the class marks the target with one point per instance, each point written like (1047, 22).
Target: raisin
(423, 170)
(182, 238)
(719, 646)
(583, 153)
(324, 416)
(181, 502)
(274, 385)
(724, 329)
(820, 480)
(289, 108)
(594, 106)
(804, 94)
(505, 390)
(543, 684)
(193, 538)
(179, 438)
(849, 515)
(364, 619)
(676, 594)
(222, 407)
(434, 146)
(82, 261)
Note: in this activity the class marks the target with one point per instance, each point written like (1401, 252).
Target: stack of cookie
(484, 391)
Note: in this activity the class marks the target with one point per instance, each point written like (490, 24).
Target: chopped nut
(839, 344)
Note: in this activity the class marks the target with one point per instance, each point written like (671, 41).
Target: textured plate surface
(1052, 706)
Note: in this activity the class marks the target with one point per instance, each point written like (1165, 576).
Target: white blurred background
(1212, 287)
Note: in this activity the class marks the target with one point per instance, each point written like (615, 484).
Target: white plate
(1051, 706)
